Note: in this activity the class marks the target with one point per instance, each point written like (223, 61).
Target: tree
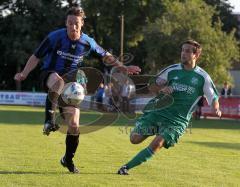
(29, 21)
(224, 13)
(22, 30)
(149, 34)
(103, 23)
(191, 19)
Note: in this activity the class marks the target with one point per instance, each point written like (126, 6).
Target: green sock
(141, 157)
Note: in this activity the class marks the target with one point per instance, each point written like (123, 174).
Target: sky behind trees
(236, 5)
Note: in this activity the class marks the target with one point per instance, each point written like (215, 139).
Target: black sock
(71, 146)
(53, 99)
(48, 109)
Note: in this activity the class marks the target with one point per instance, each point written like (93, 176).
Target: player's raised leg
(55, 85)
(72, 116)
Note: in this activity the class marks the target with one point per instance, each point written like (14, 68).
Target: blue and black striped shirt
(62, 54)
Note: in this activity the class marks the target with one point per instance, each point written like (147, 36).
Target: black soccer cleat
(123, 170)
(50, 127)
(71, 167)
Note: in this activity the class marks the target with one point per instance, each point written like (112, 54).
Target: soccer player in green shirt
(179, 88)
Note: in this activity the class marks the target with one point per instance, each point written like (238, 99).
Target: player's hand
(167, 90)
(154, 88)
(218, 113)
(20, 77)
(133, 70)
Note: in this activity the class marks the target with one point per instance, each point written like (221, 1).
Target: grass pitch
(208, 156)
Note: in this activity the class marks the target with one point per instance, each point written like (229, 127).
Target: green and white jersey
(188, 87)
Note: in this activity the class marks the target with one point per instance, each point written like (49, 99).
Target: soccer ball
(73, 93)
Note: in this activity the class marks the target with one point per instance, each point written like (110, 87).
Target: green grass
(209, 156)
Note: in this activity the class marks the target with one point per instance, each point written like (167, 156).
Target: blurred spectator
(226, 90)
(127, 92)
(3, 85)
(116, 89)
(109, 97)
(99, 96)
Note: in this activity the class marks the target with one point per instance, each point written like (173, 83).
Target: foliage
(22, 30)
(152, 31)
(191, 19)
(104, 24)
(224, 13)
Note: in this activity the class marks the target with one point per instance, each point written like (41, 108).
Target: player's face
(74, 25)
(188, 57)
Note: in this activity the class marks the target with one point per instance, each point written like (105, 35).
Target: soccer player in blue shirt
(63, 51)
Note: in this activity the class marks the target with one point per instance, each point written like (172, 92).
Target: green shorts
(151, 123)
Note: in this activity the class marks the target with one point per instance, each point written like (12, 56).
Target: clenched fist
(20, 77)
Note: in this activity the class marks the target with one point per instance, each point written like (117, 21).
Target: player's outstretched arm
(30, 65)
(157, 85)
(215, 106)
(112, 61)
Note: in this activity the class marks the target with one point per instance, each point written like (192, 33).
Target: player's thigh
(44, 75)
(54, 80)
(71, 116)
(146, 125)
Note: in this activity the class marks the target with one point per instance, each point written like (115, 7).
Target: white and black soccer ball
(73, 93)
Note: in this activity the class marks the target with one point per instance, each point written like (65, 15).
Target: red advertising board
(230, 108)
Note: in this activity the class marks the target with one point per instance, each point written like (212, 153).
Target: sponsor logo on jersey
(73, 46)
(183, 88)
(194, 81)
(70, 56)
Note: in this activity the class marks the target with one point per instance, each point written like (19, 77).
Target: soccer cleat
(71, 167)
(123, 171)
(50, 127)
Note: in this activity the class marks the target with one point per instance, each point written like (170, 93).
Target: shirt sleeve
(209, 90)
(162, 77)
(44, 48)
(97, 49)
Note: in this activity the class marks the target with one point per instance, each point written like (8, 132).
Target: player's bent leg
(136, 138)
(157, 143)
(72, 115)
(55, 85)
(142, 156)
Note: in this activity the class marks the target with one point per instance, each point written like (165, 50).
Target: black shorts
(44, 77)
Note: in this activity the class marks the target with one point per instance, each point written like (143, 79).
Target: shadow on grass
(26, 172)
(194, 124)
(21, 117)
(49, 173)
(215, 124)
(221, 145)
(13, 117)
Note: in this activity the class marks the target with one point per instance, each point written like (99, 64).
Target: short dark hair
(197, 46)
(76, 11)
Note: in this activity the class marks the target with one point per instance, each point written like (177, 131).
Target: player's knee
(59, 85)
(73, 130)
(135, 139)
(157, 143)
(74, 124)
(55, 82)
